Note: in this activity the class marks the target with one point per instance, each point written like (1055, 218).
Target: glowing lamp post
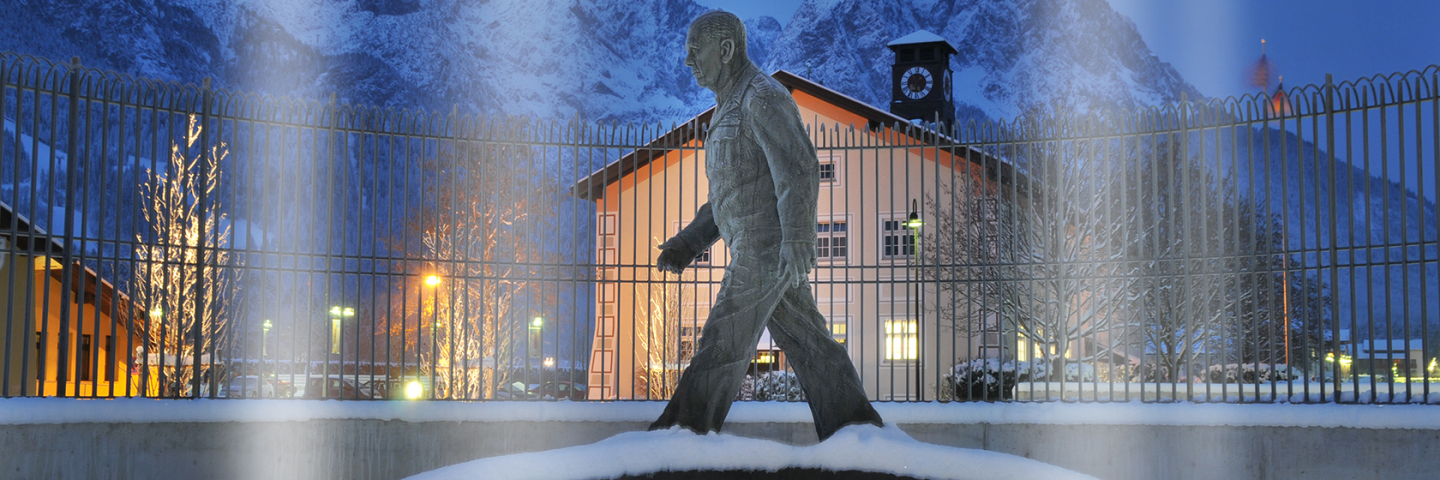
(914, 223)
(536, 326)
(264, 337)
(337, 315)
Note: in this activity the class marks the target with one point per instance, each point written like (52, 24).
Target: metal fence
(175, 240)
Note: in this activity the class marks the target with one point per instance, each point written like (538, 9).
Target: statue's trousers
(752, 297)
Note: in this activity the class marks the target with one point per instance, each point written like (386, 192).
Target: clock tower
(921, 86)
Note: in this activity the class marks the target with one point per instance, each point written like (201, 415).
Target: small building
(90, 356)
(1390, 357)
(875, 176)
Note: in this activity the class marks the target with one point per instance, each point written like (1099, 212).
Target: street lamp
(431, 282)
(914, 223)
(264, 336)
(337, 314)
(536, 326)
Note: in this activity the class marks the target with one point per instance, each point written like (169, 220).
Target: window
(837, 331)
(901, 342)
(110, 347)
(830, 168)
(84, 367)
(832, 241)
(896, 240)
(906, 55)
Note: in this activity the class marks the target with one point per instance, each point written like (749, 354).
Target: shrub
(981, 380)
(780, 386)
(1250, 373)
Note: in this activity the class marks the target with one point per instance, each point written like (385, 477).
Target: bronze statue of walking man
(764, 188)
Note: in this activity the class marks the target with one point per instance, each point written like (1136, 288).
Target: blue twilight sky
(1213, 42)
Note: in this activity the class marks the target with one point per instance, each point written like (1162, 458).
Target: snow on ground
(858, 447)
(19, 411)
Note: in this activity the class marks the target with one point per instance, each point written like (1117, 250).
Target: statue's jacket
(763, 172)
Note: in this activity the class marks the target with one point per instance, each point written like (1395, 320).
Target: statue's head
(715, 47)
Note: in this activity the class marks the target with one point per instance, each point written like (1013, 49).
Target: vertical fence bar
(72, 152)
(1334, 237)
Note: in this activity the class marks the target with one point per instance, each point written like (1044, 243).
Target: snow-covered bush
(981, 379)
(1250, 373)
(989, 379)
(1041, 371)
(779, 386)
(1118, 373)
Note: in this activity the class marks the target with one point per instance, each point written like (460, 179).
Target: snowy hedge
(779, 386)
(1251, 373)
(990, 380)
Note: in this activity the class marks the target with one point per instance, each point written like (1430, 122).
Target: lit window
(837, 331)
(832, 240)
(896, 240)
(901, 343)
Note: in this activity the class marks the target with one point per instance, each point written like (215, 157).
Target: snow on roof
(920, 36)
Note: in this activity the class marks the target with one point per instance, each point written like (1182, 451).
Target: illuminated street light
(413, 390)
(156, 313)
(337, 314)
(534, 345)
(264, 336)
(914, 222)
(549, 361)
(432, 280)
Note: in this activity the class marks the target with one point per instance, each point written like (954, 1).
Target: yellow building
(874, 179)
(94, 343)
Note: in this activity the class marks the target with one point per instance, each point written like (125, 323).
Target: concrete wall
(381, 449)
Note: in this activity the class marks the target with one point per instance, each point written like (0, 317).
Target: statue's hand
(796, 260)
(675, 255)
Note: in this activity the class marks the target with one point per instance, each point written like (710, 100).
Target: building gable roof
(921, 36)
(85, 282)
(592, 187)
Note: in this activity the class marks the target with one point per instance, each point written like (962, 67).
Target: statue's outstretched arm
(680, 250)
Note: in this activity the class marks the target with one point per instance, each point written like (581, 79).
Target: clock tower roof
(919, 37)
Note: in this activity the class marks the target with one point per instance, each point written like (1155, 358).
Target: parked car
(517, 391)
(332, 387)
(250, 386)
(563, 390)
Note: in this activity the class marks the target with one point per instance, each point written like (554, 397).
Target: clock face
(947, 86)
(916, 82)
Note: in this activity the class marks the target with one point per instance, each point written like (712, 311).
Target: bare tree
(1073, 288)
(659, 357)
(968, 246)
(486, 266)
(184, 278)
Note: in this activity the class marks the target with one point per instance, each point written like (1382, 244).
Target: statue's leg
(825, 371)
(708, 386)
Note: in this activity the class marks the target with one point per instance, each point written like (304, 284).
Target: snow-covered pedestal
(857, 448)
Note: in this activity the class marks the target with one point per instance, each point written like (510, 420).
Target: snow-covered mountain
(1014, 55)
(622, 61)
(603, 60)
